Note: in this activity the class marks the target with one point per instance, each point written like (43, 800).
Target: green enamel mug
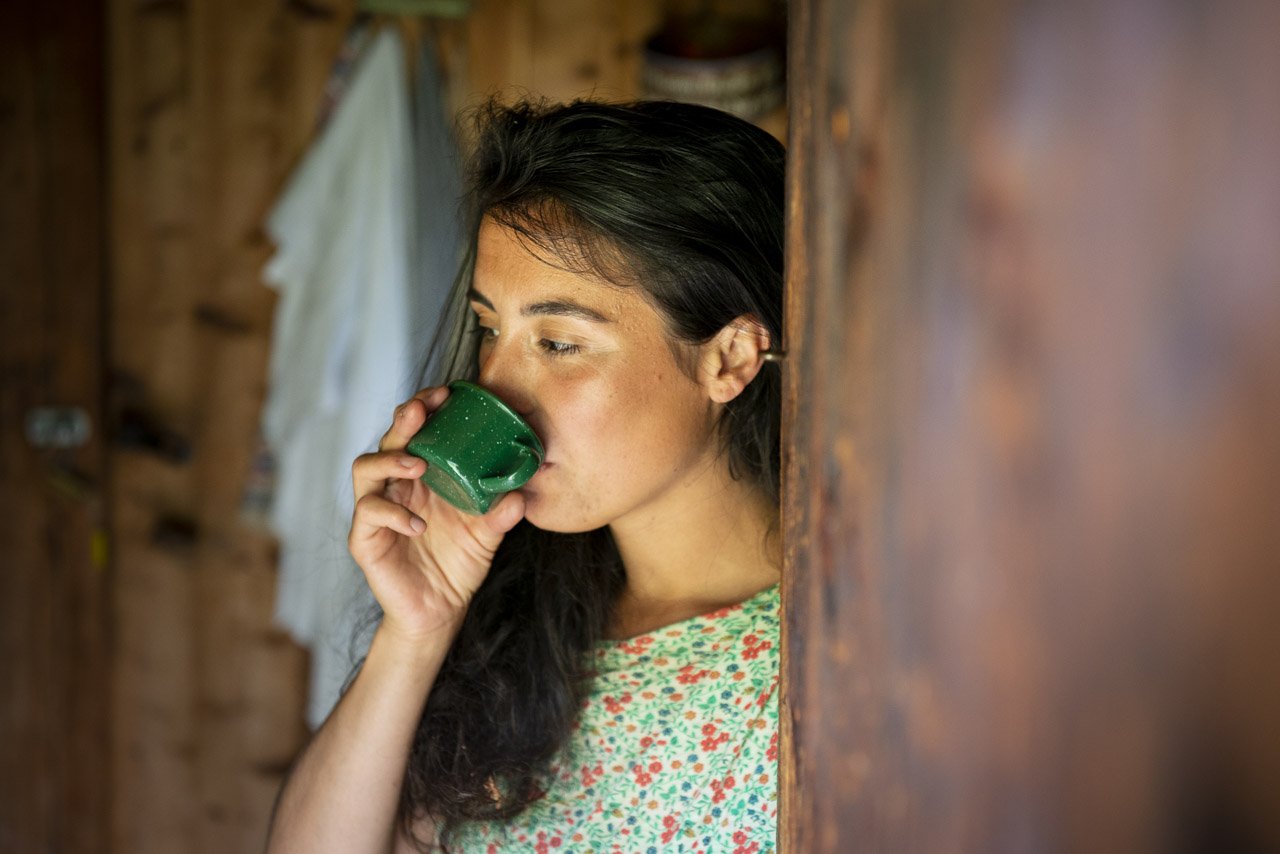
(477, 449)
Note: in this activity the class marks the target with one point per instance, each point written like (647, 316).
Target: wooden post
(1033, 482)
(210, 110)
(54, 652)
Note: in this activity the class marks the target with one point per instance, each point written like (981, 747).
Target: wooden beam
(1034, 477)
(54, 680)
(210, 110)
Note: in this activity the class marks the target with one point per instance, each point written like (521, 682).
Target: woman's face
(589, 366)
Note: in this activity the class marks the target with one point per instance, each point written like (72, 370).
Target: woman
(591, 665)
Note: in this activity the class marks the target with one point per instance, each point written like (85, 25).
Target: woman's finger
(374, 514)
(410, 416)
(501, 518)
(370, 472)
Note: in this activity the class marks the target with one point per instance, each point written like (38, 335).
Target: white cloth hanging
(342, 356)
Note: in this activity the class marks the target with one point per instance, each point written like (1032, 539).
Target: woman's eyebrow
(564, 308)
(555, 307)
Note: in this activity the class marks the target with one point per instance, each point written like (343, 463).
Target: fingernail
(408, 462)
(417, 524)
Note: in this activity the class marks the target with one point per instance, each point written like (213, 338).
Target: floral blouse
(676, 748)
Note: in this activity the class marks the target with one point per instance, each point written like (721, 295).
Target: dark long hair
(686, 203)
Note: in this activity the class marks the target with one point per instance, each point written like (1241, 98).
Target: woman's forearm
(343, 792)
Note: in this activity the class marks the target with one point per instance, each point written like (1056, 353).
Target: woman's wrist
(413, 649)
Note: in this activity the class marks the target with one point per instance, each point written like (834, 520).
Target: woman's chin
(544, 512)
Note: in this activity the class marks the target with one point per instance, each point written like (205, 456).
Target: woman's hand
(423, 558)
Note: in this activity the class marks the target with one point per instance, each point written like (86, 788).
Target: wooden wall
(54, 653)
(1034, 401)
(210, 106)
(568, 49)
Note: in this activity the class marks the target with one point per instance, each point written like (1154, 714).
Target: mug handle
(506, 483)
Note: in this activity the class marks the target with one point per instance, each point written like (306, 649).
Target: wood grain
(54, 626)
(1033, 492)
(211, 108)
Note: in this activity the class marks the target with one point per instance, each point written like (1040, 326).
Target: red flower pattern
(616, 706)
(591, 775)
(753, 646)
(637, 647)
(745, 845)
(713, 739)
(669, 828)
(688, 676)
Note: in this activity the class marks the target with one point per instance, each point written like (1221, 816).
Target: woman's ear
(731, 359)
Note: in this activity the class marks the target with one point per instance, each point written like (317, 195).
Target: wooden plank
(238, 96)
(1034, 468)
(798, 590)
(567, 42)
(53, 721)
(624, 28)
(560, 50)
(499, 49)
(152, 251)
(212, 108)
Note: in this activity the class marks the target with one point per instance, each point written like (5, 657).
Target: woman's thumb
(504, 514)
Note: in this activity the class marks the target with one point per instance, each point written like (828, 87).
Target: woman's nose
(500, 373)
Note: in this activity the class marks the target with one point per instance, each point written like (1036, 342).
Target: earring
(772, 355)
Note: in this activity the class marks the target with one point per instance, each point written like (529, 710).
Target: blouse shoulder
(705, 634)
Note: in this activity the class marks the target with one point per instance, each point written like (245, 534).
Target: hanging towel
(342, 356)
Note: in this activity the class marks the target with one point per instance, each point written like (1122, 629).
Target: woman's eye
(548, 345)
(558, 348)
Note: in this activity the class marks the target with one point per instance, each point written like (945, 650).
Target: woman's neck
(711, 542)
